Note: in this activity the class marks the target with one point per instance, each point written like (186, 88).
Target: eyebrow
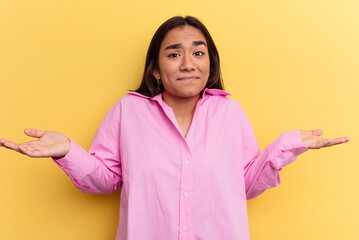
(179, 45)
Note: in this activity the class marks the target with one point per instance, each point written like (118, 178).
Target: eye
(199, 53)
(173, 55)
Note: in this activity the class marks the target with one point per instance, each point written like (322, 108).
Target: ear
(156, 74)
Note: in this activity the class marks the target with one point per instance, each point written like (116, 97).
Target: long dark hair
(149, 85)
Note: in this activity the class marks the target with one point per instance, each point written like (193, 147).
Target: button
(278, 159)
(185, 194)
(184, 228)
(187, 162)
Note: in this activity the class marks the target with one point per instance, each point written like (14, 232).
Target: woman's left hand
(312, 139)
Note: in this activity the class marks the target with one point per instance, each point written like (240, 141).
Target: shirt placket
(187, 171)
(186, 181)
(185, 192)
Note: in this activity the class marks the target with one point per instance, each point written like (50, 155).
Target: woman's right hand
(48, 144)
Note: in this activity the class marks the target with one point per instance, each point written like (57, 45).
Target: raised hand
(312, 140)
(48, 144)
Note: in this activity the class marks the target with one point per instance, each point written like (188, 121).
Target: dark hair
(149, 85)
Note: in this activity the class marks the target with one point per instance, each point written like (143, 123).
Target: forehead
(182, 35)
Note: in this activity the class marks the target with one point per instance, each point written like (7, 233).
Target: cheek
(206, 66)
(166, 69)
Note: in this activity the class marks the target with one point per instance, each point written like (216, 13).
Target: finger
(10, 145)
(327, 142)
(34, 132)
(320, 144)
(339, 141)
(317, 132)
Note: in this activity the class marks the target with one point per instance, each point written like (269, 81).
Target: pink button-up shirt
(174, 187)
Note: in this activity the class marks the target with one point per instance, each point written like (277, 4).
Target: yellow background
(291, 64)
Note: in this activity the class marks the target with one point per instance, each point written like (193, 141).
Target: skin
(184, 68)
(180, 94)
(312, 139)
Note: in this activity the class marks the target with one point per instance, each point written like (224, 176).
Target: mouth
(188, 78)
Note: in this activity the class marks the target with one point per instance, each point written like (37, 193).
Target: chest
(184, 125)
(154, 152)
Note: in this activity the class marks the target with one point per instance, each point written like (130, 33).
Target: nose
(187, 63)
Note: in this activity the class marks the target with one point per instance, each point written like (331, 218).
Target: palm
(312, 139)
(48, 144)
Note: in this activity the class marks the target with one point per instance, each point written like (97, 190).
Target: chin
(185, 91)
(188, 94)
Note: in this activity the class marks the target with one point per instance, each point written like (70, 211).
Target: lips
(188, 78)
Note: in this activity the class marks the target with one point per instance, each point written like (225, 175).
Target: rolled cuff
(74, 164)
(289, 146)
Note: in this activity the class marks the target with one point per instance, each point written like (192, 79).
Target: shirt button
(187, 162)
(278, 159)
(184, 228)
(185, 194)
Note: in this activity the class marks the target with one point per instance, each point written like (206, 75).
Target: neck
(183, 107)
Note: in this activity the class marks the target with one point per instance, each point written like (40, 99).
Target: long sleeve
(261, 169)
(99, 170)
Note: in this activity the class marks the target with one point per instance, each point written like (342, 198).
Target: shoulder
(135, 103)
(221, 98)
(125, 100)
(131, 99)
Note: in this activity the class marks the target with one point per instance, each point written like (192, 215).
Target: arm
(261, 169)
(96, 171)
(99, 170)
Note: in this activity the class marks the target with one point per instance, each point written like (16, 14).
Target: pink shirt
(174, 187)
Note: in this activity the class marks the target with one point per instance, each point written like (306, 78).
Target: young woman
(184, 154)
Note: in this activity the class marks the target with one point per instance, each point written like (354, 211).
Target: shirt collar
(215, 92)
(206, 91)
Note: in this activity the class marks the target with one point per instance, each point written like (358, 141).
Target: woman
(184, 154)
